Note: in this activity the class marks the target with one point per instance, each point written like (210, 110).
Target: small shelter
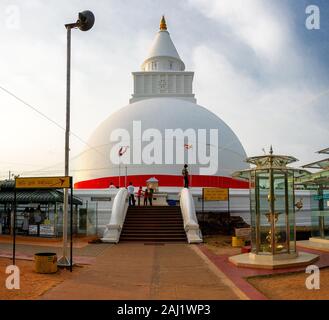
(51, 206)
(272, 205)
(318, 182)
(153, 183)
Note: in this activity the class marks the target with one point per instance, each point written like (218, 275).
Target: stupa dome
(161, 129)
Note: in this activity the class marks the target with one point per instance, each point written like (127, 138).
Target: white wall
(239, 204)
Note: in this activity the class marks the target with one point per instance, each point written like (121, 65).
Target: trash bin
(171, 203)
(237, 242)
(45, 262)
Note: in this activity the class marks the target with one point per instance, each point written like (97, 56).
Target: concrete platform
(315, 245)
(250, 260)
(320, 240)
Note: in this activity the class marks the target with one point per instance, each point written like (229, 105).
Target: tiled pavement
(137, 271)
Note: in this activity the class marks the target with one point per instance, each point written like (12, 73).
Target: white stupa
(132, 143)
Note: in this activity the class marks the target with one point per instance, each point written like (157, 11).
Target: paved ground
(138, 271)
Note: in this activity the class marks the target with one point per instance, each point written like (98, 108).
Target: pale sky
(256, 66)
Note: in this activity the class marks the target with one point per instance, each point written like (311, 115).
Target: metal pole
(286, 195)
(257, 212)
(272, 210)
(126, 177)
(14, 230)
(63, 261)
(119, 175)
(96, 218)
(191, 176)
(228, 202)
(321, 208)
(203, 205)
(71, 228)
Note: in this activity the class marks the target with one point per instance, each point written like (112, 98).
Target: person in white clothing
(131, 193)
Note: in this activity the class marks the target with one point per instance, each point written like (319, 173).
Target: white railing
(119, 211)
(191, 225)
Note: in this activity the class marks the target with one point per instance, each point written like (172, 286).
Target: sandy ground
(32, 284)
(291, 286)
(221, 245)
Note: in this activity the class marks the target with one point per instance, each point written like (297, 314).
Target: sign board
(321, 197)
(33, 229)
(244, 233)
(215, 194)
(47, 230)
(100, 199)
(43, 182)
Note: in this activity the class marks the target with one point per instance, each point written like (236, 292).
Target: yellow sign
(215, 194)
(43, 182)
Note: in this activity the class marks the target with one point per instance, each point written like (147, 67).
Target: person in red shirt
(139, 195)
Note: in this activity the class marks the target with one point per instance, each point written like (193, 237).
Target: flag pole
(119, 174)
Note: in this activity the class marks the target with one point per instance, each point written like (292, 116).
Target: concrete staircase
(154, 224)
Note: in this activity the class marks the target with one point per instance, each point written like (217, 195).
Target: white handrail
(119, 211)
(191, 225)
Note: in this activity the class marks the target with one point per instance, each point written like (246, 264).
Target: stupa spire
(163, 24)
(163, 71)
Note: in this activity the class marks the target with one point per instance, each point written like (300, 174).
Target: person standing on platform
(185, 176)
(26, 215)
(146, 195)
(8, 220)
(38, 218)
(112, 186)
(139, 195)
(151, 196)
(131, 193)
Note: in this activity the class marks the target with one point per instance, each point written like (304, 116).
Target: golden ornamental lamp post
(272, 209)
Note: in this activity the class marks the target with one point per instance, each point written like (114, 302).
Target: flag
(122, 150)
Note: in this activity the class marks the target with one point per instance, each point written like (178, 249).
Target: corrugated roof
(321, 164)
(7, 185)
(31, 195)
(325, 151)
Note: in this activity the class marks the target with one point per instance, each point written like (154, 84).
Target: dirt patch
(221, 245)
(32, 284)
(291, 286)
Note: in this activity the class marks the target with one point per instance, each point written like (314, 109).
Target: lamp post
(85, 22)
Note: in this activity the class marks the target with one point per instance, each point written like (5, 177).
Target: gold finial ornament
(163, 25)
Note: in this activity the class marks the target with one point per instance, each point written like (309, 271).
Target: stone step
(152, 236)
(152, 233)
(129, 239)
(153, 224)
(153, 227)
(156, 219)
